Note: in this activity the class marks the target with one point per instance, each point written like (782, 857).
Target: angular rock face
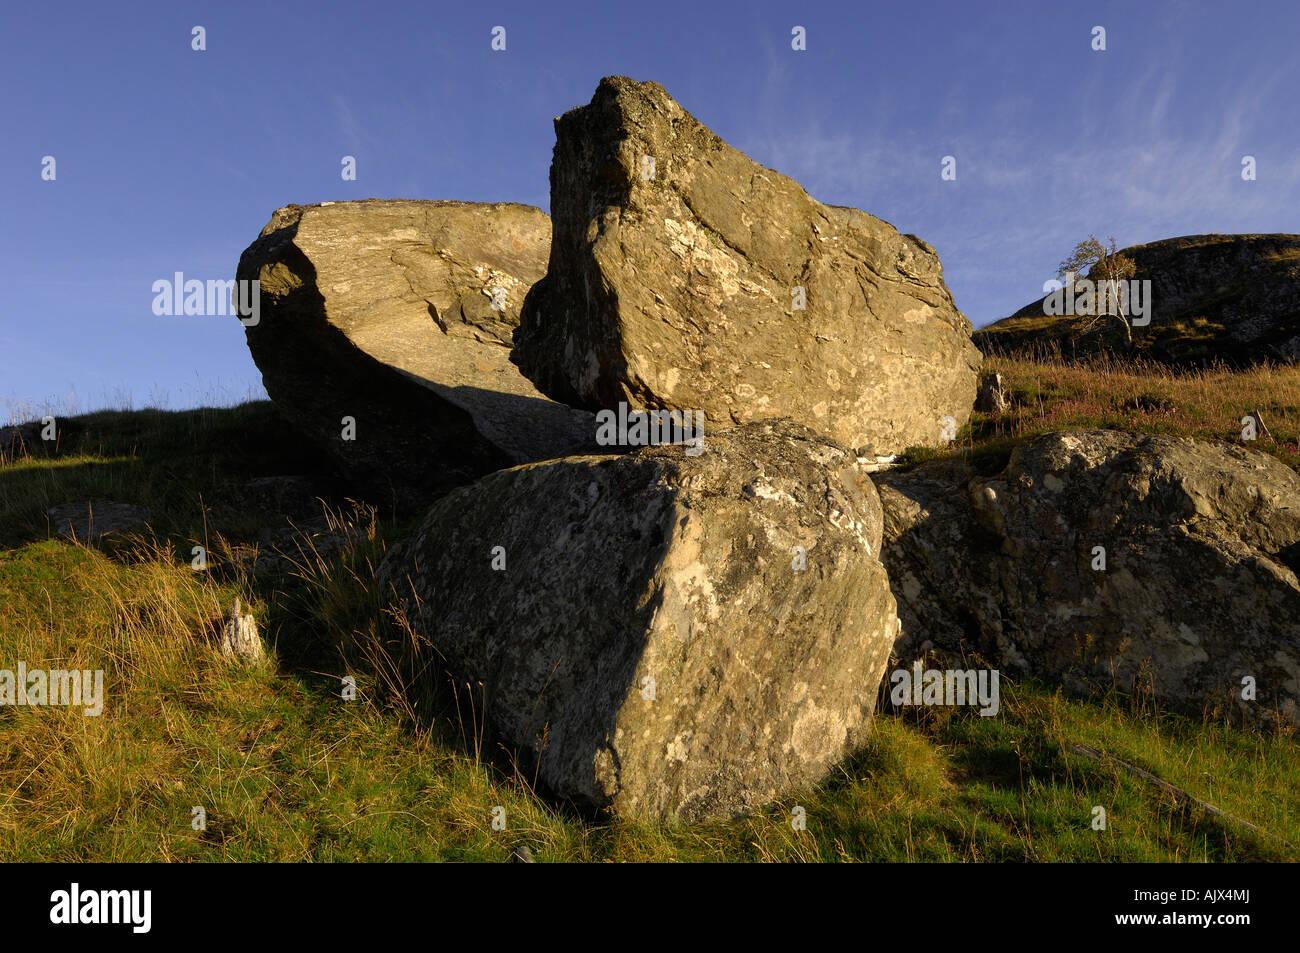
(1199, 588)
(400, 315)
(647, 631)
(685, 276)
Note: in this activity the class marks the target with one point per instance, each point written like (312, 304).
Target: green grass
(287, 770)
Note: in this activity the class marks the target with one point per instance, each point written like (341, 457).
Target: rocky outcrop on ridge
(1232, 299)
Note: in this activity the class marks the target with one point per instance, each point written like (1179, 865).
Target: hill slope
(287, 770)
(1228, 298)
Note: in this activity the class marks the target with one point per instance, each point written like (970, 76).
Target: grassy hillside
(287, 770)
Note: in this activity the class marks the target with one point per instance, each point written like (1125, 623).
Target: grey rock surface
(647, 634)
(676, 287)
(240, 640)
(1201, 548)
(400, 315)
(993, 397)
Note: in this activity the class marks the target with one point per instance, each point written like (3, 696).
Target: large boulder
(400, 315)
(1103, 559)
(647, 624)
(685, 276)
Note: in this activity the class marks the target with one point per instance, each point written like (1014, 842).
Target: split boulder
(673, 635)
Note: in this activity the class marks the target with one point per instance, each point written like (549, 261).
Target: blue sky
(168, 159)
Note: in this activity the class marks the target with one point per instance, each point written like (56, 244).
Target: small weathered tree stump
(993, 397)
(239, 639)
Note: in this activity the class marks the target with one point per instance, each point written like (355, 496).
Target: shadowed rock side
(1199, 589)
(650, 638)
(674, 287)
(383, 311)
(1228, 298)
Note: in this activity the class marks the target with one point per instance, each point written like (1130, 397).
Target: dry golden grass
(1050, 394)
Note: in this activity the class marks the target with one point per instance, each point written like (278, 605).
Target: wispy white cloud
(1144, 166)
(350, 130)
